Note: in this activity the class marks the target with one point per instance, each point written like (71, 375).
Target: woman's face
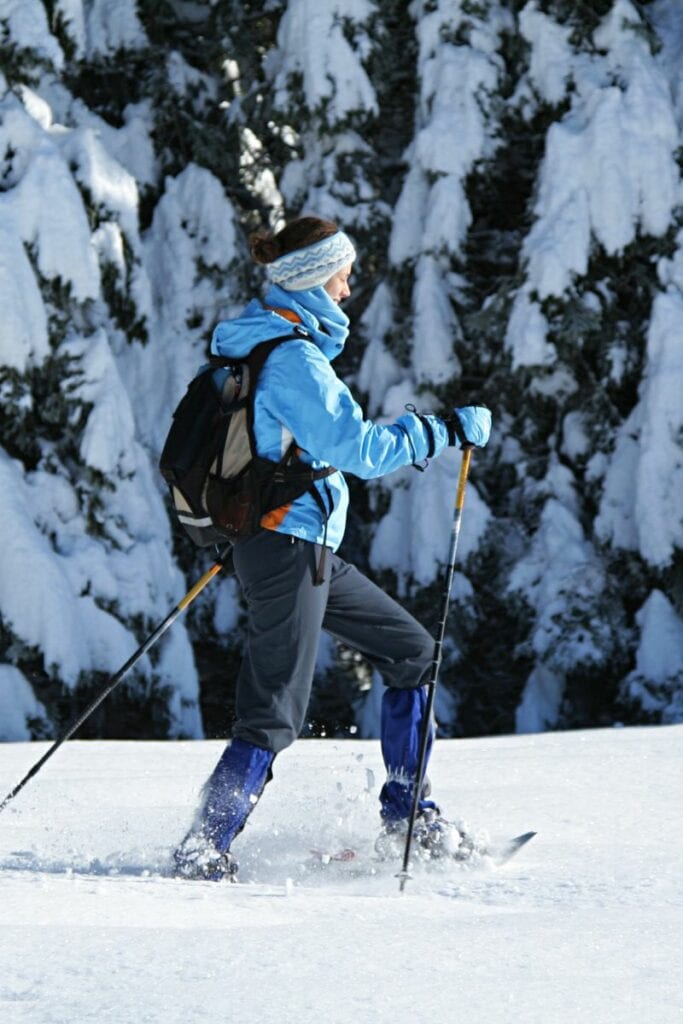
(338, 285)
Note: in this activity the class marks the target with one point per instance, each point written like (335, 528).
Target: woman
(293, 581)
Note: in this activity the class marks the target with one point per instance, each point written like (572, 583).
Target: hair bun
(263, 247)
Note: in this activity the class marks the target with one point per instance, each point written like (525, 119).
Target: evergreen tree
(86, 569)
(509, 172)
(576, 334)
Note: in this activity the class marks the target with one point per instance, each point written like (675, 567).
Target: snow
(73, 19)
(109, 184)
(575, 441)
(193, 220)
(551, 55)
(379, 370)
(616, 521)
(539, 707)
(659, 482)
(456, 82)
(436, 326)
(667, 18)
(110, 25)
(17, 705)
(226, 606)
(659, 659)
(28, 28)
(661, 656)
(526, 333)
(61, 616)
(623, 173)
(44, 207)
(24, 333)
(643, 489)
(583, 925)
(428, 228)
(313, 46)
(413, 538)
(108, 442)
(129, 145)
(563, 582)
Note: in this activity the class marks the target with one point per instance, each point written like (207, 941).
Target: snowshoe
(434, 837)
(198, 858)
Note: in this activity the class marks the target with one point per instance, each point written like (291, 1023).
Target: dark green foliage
(335, 692)
(58, 25)
(135, 710)
(34, 406)
(122, 307)
(393, 31)
(112, 82)
(584, 16)
(218, 664)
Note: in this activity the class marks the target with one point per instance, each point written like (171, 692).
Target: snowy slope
(585, 925)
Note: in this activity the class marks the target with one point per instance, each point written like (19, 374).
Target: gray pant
(286, 614)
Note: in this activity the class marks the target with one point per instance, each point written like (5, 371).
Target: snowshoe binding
(434, 838)
(198, 858)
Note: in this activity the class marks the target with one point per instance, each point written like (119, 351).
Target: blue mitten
(470, 425)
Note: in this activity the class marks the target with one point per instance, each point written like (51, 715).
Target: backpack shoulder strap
(260, 352)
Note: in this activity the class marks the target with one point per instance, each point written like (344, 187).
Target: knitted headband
(310, 267)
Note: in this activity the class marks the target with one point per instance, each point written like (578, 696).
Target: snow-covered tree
(86, 554)
(509, 170)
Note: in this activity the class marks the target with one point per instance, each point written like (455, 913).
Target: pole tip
(403, 876)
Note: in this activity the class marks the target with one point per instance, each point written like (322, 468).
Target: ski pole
(116, 679)
(436, 660)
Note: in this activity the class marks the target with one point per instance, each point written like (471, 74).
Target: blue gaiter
(233, 791)
(403, 712)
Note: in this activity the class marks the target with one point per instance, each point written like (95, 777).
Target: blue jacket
(299, 396)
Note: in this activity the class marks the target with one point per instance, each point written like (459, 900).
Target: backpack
(220, 487)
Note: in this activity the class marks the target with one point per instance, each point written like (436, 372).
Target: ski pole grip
(462, 479)
(199, 586)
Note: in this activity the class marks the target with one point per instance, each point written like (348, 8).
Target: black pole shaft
(436, 661)
(116, 679)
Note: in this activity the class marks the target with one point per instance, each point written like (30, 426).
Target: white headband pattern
(315, 265)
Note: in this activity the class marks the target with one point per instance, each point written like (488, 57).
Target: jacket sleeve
(304, 393)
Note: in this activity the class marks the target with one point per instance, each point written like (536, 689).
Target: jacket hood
(322, 319)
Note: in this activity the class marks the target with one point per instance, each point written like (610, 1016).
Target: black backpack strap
(260, 352)
(218, 362)
(286, 472)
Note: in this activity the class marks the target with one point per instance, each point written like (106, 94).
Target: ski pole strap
(429, 431)
(431, 443)
(455, 431)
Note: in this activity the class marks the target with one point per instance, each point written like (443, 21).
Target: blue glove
(471, 424)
